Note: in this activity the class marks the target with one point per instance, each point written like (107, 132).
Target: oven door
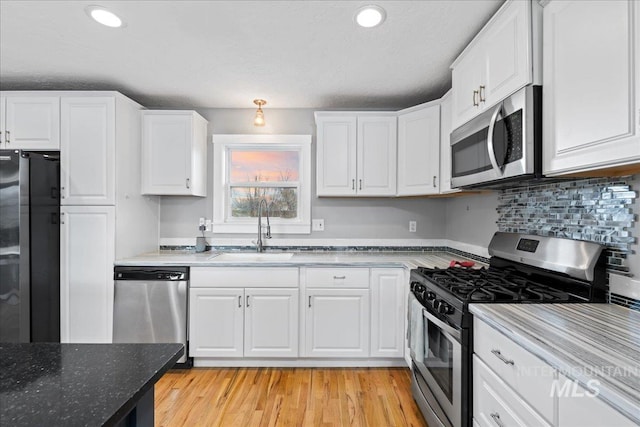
(440, 366)
(496, 145)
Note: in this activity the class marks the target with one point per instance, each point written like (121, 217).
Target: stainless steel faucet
(267, 235)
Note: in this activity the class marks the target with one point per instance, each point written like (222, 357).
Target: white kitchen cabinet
(87, 150)
(216, 322)
(501, 59)
(243, 322)
(29, 121)
(87, 253)
(581, 407)
(419, 150)
(591, 85)
(388, 312)
(104, 215)
(174, 153)
(337, 322)
(356, 154)
(445, 145)
(271, 322)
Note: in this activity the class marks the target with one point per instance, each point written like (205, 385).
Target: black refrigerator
(29, 246)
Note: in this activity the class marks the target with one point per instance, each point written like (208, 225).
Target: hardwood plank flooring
(316, 397)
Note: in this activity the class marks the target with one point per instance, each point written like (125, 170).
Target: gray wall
(472, 219)
(358, 218)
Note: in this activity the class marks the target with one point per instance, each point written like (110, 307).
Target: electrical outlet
(207, 224)
(412, 226)
(317, 224)
(201, 222)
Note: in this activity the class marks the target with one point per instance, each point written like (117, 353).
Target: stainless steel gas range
(523, 269)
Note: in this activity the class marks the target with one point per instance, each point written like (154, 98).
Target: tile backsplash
(597, 210)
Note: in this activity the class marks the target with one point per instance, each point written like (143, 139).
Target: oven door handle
(490, 148)
(442, 325)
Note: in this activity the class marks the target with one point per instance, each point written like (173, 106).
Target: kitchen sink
(253, 256)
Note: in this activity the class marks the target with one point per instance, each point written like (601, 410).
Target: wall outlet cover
(413, 226)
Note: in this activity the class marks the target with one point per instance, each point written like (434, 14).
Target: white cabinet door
(86, 273)
(467, 77)
(337, 323)
(581, 407)
(377, 150)
(32, 123)
(87, 154)
(419, 152)
(174, 153)
(445, 145)
(591, 101)
(336, 155)
(3, 104)
(507, 54)
(271, 322)
(216, 322)
(388, 312)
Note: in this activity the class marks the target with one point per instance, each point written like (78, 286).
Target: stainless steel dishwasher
(150, 306)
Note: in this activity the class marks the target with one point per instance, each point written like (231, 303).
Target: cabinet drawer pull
(8, 137)
(360, 184)
(499, 355)
(62, 218)
(248, 300)
(62, 192)
(339, 277)
(188, 183)
(481, 94)
(353, 184)
(475, 98)
(309, 300)
(496, 419)
(434, 181)
(239, 301)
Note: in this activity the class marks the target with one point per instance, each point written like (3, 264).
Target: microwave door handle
(492, 153)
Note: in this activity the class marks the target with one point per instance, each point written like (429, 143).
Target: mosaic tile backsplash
(596, 210)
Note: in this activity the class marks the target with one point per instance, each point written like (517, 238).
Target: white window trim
(221, 144)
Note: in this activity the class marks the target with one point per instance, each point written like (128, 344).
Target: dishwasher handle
(163, 274)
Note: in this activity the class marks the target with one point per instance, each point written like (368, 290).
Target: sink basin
(253, 256)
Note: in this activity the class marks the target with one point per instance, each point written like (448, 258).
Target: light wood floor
(377, 397)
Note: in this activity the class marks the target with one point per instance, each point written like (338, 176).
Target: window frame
(223, 222)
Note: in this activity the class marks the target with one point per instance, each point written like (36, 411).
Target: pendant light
(259, 119)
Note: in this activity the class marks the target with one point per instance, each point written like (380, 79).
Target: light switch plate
(317, 225)
(207, 224)
(412, 226)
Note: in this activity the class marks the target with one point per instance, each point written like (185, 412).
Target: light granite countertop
(583, 341)
(300, 259)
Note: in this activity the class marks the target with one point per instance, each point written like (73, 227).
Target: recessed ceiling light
(370, 16)
(104, 16)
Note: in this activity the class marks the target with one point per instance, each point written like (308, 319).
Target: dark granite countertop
(77, 384)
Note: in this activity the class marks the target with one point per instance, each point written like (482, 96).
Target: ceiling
(223, 54)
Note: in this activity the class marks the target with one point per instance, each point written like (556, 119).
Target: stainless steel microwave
(500, 146)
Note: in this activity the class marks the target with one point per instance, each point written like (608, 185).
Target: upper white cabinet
(29, 121)
(174, 153)
(356, 154)
(419, 150)
(445, 145)
(591, 85)
(499, 61)
(87, 159)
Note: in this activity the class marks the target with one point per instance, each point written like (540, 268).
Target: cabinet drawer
(254, 277)
(494, 403)
(338, 277)
(528, 375)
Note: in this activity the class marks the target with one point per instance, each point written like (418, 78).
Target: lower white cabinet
(388, 308)
(243, 322)
(87, 252)
(581, 407)
(337, 322)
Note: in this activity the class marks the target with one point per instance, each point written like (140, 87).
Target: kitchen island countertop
(56, 384)
(585, 342)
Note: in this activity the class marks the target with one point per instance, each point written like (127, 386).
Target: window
(249, 168)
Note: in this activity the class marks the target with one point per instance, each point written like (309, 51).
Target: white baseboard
(298, 363)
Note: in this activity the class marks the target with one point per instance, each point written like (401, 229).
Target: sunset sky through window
(267, 165)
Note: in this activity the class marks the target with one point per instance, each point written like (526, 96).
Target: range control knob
(435, 303)
(431, 296)
(445, 308)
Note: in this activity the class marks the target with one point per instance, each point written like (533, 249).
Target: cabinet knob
(475, 98)
(481, 93)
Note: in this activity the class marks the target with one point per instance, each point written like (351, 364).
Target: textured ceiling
(223, 54)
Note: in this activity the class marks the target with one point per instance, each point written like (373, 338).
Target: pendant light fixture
(259, 119)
